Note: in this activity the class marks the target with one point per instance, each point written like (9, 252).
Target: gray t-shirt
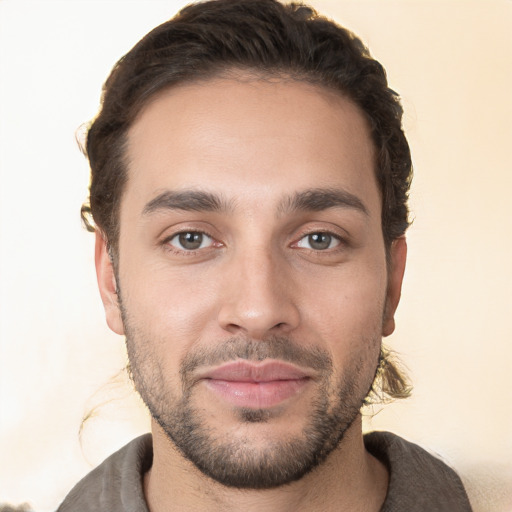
(418, 481)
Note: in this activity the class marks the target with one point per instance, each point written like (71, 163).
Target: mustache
(272, 347)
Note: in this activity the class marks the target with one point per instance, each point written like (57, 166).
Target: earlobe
(107, 284)
(398, 257)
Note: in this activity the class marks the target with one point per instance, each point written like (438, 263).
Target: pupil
(320, 241)
(191, 240)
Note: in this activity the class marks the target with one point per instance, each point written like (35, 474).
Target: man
(249, 182)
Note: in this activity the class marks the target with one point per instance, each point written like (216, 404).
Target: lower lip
(256, 395)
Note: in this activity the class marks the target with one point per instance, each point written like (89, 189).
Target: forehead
(250, 139)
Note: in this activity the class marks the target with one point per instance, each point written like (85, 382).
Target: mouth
(255, 385)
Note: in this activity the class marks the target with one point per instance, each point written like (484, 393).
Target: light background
(452, 63)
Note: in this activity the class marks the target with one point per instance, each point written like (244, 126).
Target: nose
(258, 299)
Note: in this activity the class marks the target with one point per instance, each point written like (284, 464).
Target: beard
(239, 461)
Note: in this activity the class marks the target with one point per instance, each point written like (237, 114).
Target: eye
(319, 241)
(190, 241)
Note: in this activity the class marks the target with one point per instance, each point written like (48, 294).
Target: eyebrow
(187, 200)
(318, 199)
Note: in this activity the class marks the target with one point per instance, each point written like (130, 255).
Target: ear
(107, 284)
(397, 259)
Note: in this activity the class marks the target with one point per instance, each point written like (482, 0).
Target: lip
(258, 385)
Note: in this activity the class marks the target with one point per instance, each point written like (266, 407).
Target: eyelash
(340, 242)
(188, 252)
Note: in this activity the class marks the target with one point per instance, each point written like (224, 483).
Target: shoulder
(116, 484)
(418, 481)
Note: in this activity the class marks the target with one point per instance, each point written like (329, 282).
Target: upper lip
(250, 371)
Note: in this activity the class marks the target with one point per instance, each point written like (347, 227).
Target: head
(263, 37)
(260, 145)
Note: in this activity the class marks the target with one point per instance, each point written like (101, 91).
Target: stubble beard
(238, 462)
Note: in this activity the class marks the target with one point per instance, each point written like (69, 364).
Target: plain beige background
(452, 63)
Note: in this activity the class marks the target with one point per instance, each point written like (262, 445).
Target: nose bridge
(258, 299)
(260, 278)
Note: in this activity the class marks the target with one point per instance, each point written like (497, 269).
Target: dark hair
(264, 38)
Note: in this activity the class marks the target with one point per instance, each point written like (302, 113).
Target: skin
(255, 144)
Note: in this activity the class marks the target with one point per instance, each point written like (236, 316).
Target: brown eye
(319, 241)
(190, 241)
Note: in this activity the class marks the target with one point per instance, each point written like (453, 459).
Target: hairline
(243, 74)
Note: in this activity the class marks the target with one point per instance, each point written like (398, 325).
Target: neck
(349, 479)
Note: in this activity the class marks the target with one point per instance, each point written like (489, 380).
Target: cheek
(174, 306)
(348, 311)
(350, 294)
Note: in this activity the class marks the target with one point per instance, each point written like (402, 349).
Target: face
(252, 277)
